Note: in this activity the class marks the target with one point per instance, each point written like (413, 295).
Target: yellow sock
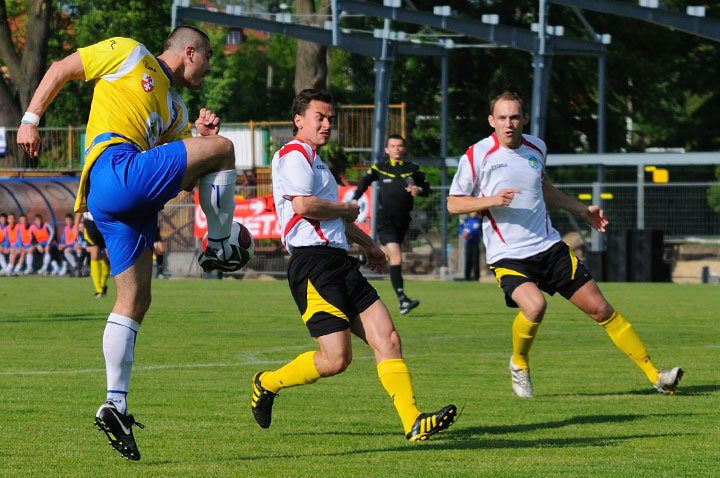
(523, 334)
(95, 273)
(104, 273)
(397, 380)
(626, 339)
(301, 371)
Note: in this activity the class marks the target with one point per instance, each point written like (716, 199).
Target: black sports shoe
(262, 402)
(428, 424)
(118, 428)
(209, 261)
(407, 304)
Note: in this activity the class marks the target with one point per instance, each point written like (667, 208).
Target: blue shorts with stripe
(554, 270)
(127, 189)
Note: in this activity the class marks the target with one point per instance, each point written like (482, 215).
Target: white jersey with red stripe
(523, 228)
(298, 171)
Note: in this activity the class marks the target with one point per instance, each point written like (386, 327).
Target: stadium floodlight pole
(383, 73)
(335, 21)
(443, 152)
(540, 66)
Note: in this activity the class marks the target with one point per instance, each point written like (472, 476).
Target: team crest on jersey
(148, 83)
(533, 162)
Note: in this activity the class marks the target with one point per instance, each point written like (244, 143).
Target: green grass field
(595, 413)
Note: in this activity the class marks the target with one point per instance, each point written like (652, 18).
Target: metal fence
(63, 148)
(681, 211)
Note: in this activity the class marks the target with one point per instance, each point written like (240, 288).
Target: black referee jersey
(393, 180)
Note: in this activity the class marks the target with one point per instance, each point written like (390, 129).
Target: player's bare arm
(468, 204)
(593, 215)
(376, 259)
(59, 73)
(319, 209)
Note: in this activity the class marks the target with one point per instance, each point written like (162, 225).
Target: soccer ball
(241, 238)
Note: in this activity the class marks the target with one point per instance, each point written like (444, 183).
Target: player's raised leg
(211, 164)
(590, 300)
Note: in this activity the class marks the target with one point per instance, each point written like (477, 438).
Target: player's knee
(535, 310)
(338, 364)
(227, 153)
(600, 312)
(394, 343)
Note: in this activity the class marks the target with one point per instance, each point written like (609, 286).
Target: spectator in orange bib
(43, 237)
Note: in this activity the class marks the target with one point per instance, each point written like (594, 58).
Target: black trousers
(472, 261)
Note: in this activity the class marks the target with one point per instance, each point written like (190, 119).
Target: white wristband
(30, 118)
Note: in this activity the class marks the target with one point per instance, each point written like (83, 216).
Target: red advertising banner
(259, 216)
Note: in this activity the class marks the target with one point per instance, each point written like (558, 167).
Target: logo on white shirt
(533, 162)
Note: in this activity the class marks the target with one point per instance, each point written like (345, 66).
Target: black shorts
(92, 235)
(391, 228)
(328, 288)
(554, 270)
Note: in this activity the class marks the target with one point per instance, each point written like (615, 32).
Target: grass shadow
(453, 442)
(57, 318)
(689, 390)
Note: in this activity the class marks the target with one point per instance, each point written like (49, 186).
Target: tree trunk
(26, 68)
(311, 58)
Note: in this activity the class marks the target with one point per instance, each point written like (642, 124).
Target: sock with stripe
(119, 350)
(624, 336)
(216, 192)
(523, 334)
(301, 371)
(396, 279)
(397, 380)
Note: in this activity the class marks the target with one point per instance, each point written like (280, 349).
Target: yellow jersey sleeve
(106, 57)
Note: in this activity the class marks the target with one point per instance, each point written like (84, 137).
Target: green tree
(24, 31)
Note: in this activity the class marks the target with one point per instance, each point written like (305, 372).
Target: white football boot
(521, 384)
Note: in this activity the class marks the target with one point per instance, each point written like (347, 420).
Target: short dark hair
(69, 215)
(303, 99)
(38, 216)
(394, 136)
(183, 30)
(2, 214)
(507, 95)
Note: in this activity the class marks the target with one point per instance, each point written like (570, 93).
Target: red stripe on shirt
(528, 143)
(494, 225)
(469, 153)
(295, 147)
(296, 219)
(316, 224)
(495, 147)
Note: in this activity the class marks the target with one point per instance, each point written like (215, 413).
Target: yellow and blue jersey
(132, 103)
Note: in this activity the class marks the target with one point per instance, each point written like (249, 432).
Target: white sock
(29, 259)
(217, 199)
(3, 261)
(46, 261)
(70, 257)
(118, 348)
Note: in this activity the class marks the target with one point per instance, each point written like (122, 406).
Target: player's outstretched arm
(468, 204)
(593, 215)
(59, 73)
(320, 209)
